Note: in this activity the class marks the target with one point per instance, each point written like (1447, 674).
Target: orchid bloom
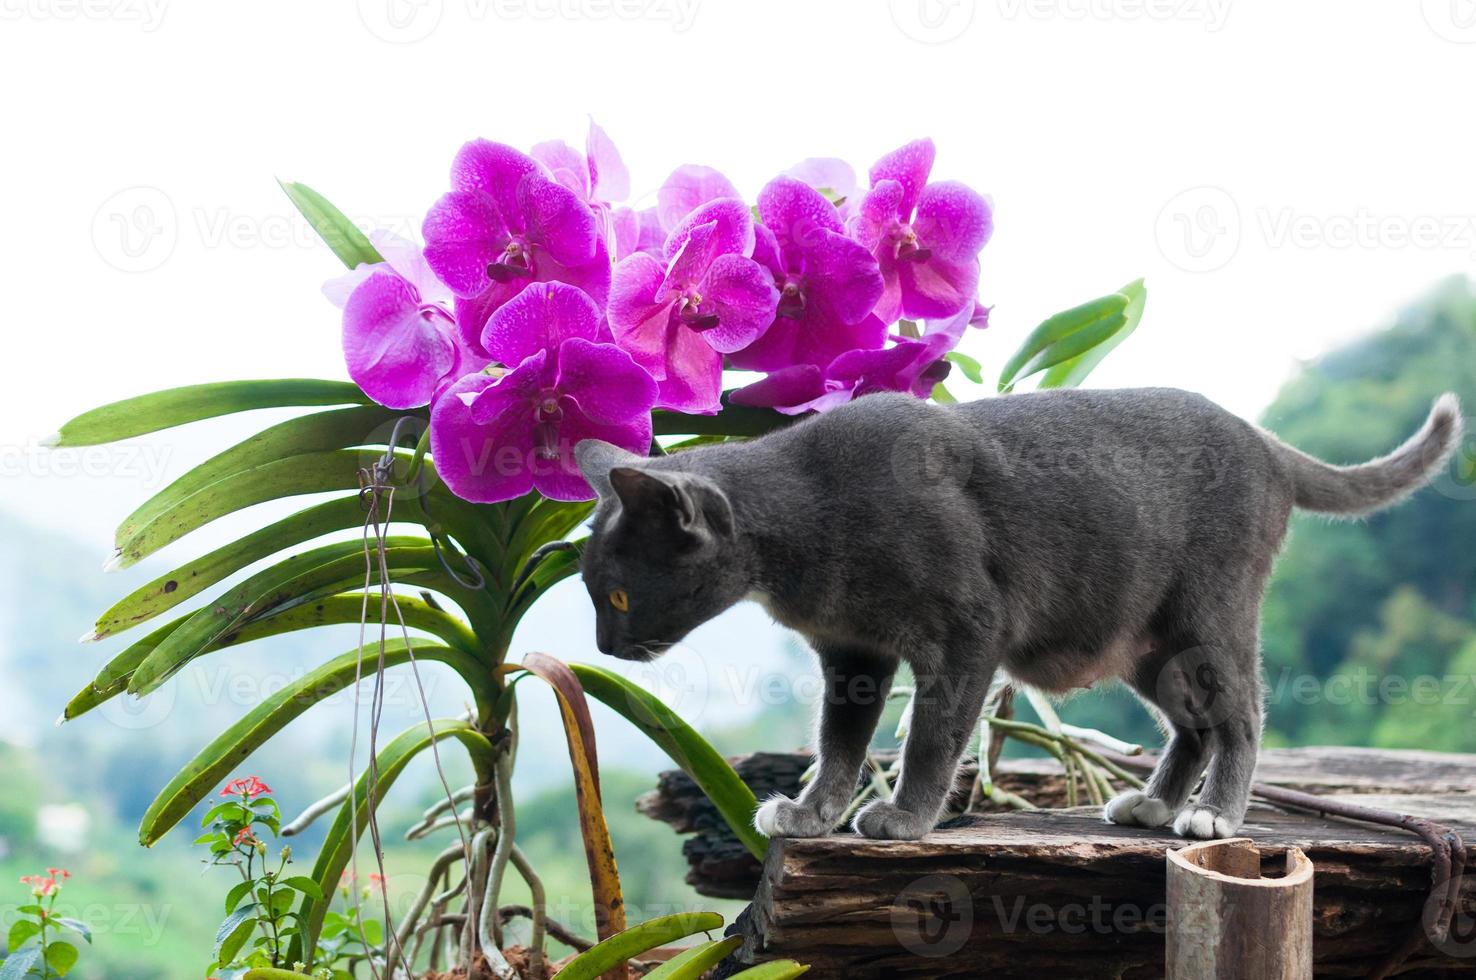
(927, 237)
(685, 189)
(599, 176)
(710, 299)
(911, 365)
(505, 224)
(828, 283)
(400, 339)
(497, 436)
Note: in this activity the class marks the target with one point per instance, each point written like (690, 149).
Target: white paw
(782, 817)
(1137, 809)
(1204, 822)
(881, 820)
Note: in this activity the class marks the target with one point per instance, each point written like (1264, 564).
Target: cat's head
(661, 559)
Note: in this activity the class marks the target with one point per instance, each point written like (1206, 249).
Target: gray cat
(1066, 537)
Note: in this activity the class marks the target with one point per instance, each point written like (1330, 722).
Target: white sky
(1086, 120)
(1317, 155)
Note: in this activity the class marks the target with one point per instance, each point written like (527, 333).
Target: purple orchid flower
(710, 299)
(497, 436)
(637, 231)
(505, 224)
(400, 340)
(687, 188)
(927, 237)
(828, 283)
(598, 176)
(911, 365)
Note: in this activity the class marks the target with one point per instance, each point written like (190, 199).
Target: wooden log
(1228, 921)
(718, 866)
(1061, 893)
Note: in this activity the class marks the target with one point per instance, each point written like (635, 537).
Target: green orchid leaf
(1066, 335)
(177, 406)
(626, 946)
(216, 761)
(351, 245)
(1070, 373)
(689, 750)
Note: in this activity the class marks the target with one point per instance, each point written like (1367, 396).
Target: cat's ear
(596, 459)
(685, 505)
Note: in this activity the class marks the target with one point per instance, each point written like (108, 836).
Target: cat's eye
(620, 600)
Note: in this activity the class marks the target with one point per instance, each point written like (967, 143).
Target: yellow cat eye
(620, 600)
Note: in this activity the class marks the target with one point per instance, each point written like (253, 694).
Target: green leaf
(234, 896)
(182, 583)
(1069, 374)
(1064, 336)
(971, 368)
(330, 568)
(303, 884)
(19, 964)
(61, 957)
(272, 973)
(689, 750)
(338, 843)
(775, 970)
(230, 812)
(234, 932)
(373, 932)
(177, 406)
(350, 244)
(75, 925)
(218, 759)
(367, 425)
(733, 420)
(695, 962)
(625, 946)
(942, 395)
(270, 480)
(22, 930)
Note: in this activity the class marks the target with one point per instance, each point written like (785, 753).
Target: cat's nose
(603, 640)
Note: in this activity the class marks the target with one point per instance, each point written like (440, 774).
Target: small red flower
(376, 881)
(244, 836)
(247, 786)
(65, 874)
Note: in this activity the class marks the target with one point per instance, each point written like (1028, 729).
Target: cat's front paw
(1137, 809)
(1204, 822)
(882, 820)
(783, 817)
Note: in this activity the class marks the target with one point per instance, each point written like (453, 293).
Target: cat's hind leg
(1179, 767)
(856, 685)
(1208, 690)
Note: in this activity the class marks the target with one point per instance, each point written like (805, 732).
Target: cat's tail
(1367, 487)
